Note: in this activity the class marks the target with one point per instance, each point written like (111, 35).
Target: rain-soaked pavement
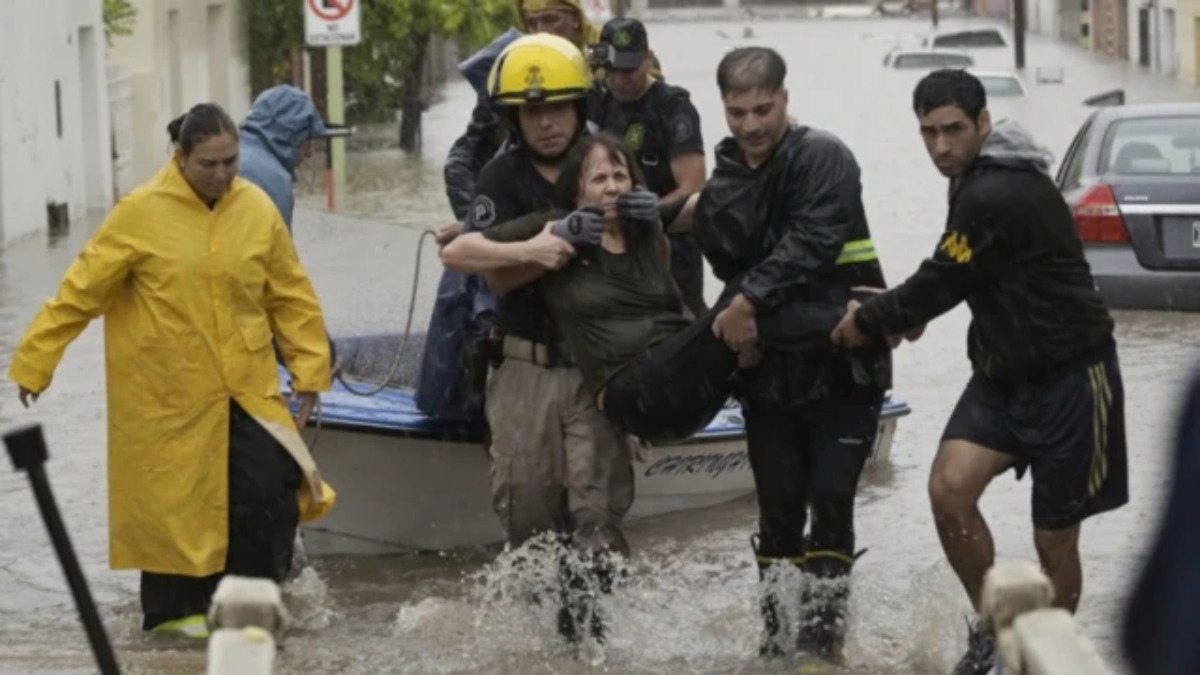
(691, 606)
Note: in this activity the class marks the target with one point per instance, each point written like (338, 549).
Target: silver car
(1132, 180)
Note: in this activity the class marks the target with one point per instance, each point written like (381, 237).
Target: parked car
(967, 38)
(1000, 84)
(927, 59)
(1132, 179)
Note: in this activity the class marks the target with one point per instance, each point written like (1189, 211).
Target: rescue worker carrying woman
(558, 465)
(195, 273)
(783, 212)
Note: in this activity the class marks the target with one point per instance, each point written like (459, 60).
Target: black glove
(580, 227)
(638, 208)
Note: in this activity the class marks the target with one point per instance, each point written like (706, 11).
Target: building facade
(1187, 40)
(181, 52)
(54, 126)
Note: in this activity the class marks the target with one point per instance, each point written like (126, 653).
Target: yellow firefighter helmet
(539, 68)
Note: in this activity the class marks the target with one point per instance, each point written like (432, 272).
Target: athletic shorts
(1069, 430)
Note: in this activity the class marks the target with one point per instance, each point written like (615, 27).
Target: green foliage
(396, 34)
(275, 28)
(119, 18)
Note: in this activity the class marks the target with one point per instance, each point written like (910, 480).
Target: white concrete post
(1032, 638)
(247, 619)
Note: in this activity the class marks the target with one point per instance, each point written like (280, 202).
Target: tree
(119, 19)
(385, 73)
(275, 32)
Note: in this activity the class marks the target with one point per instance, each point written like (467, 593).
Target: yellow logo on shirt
(957, 247)
(635, 135)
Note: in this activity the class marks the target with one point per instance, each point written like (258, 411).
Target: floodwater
(690, 605)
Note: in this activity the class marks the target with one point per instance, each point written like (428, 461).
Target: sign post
(333, 24)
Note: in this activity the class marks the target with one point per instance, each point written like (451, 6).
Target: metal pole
(933, 10)
(27, 449)
(1019, 33)
(335, 102)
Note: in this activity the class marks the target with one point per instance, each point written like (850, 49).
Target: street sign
(333, 23)
(597, 11)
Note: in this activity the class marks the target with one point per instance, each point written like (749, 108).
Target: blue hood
(282, 118)
(476, 68)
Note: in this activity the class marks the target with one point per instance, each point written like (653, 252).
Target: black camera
(600, 55)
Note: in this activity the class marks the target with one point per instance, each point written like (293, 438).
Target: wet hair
(203, 121)
(950, 86)
(567, 188)
(751, 69)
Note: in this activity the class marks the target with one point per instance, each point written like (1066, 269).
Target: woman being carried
(657, 371)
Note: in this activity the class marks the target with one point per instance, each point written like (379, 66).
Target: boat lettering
(714, 464)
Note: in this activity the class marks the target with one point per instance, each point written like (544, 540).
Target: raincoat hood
(476, 68)
(1010, 143)
(282, 118)
(589, 32)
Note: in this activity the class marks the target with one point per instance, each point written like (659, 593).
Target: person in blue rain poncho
(275, 138)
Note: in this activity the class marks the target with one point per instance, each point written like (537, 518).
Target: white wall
(182, 52)
(53, 147)
(1168, 45)
(1043, 16)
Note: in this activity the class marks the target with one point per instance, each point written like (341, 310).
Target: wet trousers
(263, 517)
(674, 389)
(809, 458)
(557, 463)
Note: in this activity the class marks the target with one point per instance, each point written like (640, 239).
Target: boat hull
(400, 491)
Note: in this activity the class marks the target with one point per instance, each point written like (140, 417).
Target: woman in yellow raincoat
(195, 273)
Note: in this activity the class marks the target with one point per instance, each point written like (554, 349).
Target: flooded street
(690, 605)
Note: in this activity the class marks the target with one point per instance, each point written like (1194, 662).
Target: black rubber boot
(584, 575)
(775, 630)
(825, 604)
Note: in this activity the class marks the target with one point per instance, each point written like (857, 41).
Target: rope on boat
(399, 359)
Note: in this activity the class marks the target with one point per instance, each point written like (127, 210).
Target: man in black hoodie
(1046, 388)
(782, 223)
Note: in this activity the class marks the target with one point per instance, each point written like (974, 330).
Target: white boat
(407, 482)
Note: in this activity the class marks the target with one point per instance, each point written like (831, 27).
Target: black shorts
(1070, 430)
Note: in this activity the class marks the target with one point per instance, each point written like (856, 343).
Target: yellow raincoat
(191, 300)
(590, 33)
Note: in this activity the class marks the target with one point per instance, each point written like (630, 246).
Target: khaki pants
(557, 462)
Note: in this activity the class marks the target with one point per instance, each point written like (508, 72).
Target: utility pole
(335, 103)
(1019, 33)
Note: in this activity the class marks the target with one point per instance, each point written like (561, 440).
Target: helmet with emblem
(541, 68)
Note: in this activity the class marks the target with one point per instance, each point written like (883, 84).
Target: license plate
(1181, 238)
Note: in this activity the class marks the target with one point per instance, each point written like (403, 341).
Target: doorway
(90, 101)
(1144, 37)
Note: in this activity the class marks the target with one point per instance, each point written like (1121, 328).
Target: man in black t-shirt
(661, 127)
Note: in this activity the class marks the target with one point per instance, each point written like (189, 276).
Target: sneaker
(981, 653)
(194, 626)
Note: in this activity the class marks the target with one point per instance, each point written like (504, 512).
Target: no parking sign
(333, 23)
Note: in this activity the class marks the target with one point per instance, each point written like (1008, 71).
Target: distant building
(182, 52)
(1187, 36)
(55, 150)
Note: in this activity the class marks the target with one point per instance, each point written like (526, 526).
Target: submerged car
(1000, 84)
(1132, 179)
(927, 59)
(967, 38)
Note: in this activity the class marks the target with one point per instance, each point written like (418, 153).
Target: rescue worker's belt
(857, 251)
(534, 352)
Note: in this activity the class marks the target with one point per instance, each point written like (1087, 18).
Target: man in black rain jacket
(781, 221)
(1046, 387)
